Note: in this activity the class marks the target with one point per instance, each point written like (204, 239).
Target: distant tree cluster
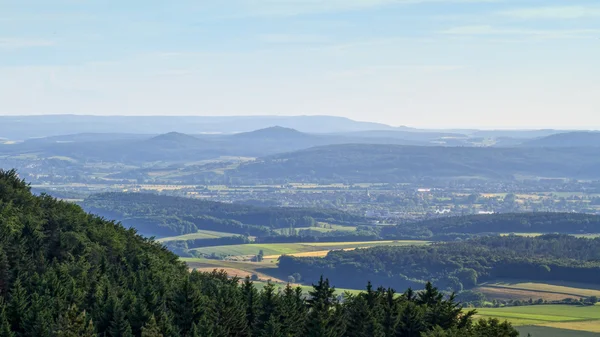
(455, 266)
(160, 215)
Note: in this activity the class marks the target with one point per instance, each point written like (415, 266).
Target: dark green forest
(159, 215)
(455, 266)
(66, 273)
(362, 163)
(445, 228)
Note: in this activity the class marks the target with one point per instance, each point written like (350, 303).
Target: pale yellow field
(589, 326)
(546, 291)
(329, 244)
(318, 253)
(517, 294)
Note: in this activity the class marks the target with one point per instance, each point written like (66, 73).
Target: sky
(420, 63)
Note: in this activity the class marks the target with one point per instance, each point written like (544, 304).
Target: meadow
(274, 250)
(567, 317)
(556, 291)
(201, 234)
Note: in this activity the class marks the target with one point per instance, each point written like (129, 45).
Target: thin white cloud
(293, 38)
(20, 43)
(546, 34)
(389, 69)
(554, 12)
(299, 7)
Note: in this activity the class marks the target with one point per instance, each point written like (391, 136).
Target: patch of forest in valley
(458, 266)
(158, 215)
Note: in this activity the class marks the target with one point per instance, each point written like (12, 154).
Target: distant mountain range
(27, 127)
(181, 147)
(175, 146)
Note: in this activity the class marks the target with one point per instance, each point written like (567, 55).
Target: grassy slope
(276, 249)
(201, 234)
(551, 291)
(582, 318)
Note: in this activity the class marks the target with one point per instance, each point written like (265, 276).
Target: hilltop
(569, 139)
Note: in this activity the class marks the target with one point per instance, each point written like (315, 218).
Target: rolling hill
(180, 147)
(392, 163)
(569, 139)
(25, 127)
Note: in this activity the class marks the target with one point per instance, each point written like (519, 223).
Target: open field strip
(318, 253)
(581, 318)
(516, 294)
(201, 234)
(328, 228)
(277, 249)
(531, 235)
(553, 332)
(305, 288)
(575, 290)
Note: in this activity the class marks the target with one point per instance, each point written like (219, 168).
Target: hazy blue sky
(427, 63)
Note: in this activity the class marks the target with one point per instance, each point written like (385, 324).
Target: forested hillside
(66, 273)
(158, 215)
(444, 228)
(361, 163)
(567, 139)
(458, 265)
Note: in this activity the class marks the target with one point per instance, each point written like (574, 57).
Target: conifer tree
(119, 326)
(38, 318)
(272, 328)
(5, 330)
(411, 322)
(430, 296)
(251, 298)
(17, 307)
(187, 306)
(151, 329)
(4, 272)
(228, 311)
(391, 311)
(269, 306)
(323, 320)
(74, 324)
(139, 316)
(293, 311)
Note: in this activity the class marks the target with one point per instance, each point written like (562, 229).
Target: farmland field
(274, 250)
(568, 317)
(306, 288)
(326, 228)
(552, 332)
(201, 234)
(546, 291)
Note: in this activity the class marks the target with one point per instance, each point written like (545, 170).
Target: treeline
(456, 227)
(455, 266)
(66, 273)
(464, 226)
(169, 216)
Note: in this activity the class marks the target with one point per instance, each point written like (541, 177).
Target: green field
(563, 289)
(541, 331)
(272, 249)
(568, 317)
(306, 288)
(201, 234)
(325, 229)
